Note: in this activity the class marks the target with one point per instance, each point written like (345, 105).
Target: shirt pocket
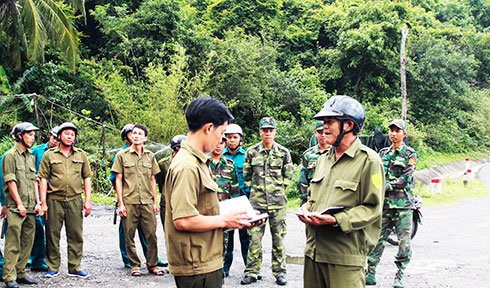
(32, 173)
(77, 166)
(146, 169)
(257, 165)
(275, 169)
(398, 167)
(209, 199)
(314, 189)
(57, 167)
(129, 168)
(345, 192)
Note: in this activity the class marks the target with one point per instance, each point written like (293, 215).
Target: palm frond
(34, 29)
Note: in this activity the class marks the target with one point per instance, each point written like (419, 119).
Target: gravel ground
(451, 249)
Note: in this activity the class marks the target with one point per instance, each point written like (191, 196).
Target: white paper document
(240, 204)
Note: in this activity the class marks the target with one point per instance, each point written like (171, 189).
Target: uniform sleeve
(247, 169)
(399, 183)
(160, 177)
(154, 168)
(287, 169)
(117, 165)
(371, 189)
(44, 168)
(86, 171)
(302, 179)
(8, 168)
(184, 189)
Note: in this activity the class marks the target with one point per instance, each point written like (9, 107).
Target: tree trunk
(403, 73)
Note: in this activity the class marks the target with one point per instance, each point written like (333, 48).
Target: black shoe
(259, 277)
(248, 280)
(43, 268)
(27, 280)
(12, 284)
(281, 280)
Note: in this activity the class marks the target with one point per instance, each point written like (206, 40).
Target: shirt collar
(351, 151)
(194, 151)
(72, 150)
(239, 151)
(19, 149)
(273, 149)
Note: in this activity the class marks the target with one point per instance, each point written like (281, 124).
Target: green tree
(29, 25)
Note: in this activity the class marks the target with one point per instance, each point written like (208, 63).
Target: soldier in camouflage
(399, 162)
(309, 161)
(268, 170)
(224, 174)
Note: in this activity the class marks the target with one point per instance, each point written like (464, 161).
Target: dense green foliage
(144, 61)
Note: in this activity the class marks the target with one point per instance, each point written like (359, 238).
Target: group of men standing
(209, 165)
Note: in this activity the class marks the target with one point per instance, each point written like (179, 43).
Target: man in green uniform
(268, 170)
(135, 169)
(20, 190)
(349, 175)
(195, 247)
(61, 173)
(309, 161)
(223, 172)
(38, 263)
(399, 162)
(164, 164)
(235, 151)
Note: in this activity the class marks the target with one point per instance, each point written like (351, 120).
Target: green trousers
(18, 245)
(162, 213)
(277, 224)
(324, 275)
(207, 280)
(143, 215)
(401, 221)
(68, 213)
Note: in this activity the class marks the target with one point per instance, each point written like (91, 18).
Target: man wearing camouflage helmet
(21, 194)
(308, 161)
(349, 175)
(268, 170)
(38, 263)
(399, 162)
(62, 171)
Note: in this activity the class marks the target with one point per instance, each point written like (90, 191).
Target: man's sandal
(135, 271)
(156, 271)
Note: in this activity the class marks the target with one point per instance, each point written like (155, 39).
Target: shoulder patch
(377, 179)
(412, 161)
(192, 159)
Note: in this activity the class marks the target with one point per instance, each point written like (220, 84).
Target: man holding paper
(194, 225)
(349, 175)
(268, 170)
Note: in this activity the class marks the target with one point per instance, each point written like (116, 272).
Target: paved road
(451, 249)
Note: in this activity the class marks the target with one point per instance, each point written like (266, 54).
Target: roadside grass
(429, 159)
(453, 190)
(102, 199)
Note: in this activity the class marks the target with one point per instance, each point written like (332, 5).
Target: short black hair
(206, 110)
(142, 127)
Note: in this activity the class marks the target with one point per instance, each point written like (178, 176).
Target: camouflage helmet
(65, 126)
(401, 124)
(125, 130)
(234, 128)
(176, 141)
(343, 108)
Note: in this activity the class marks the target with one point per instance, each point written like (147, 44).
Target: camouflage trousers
(401, 221)
(277, 225)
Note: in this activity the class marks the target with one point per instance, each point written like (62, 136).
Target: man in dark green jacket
(349, 175)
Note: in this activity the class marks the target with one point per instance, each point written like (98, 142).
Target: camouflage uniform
(267, 172)
(397, 209)
(225, 175)
(308, 168)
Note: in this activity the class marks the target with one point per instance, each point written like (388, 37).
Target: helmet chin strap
(23, 142)
(342, 133)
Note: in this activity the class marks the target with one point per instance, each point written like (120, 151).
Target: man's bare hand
(318, 219)
(236, 220)
(122, 210)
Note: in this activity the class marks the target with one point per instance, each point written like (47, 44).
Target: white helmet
(234, 128)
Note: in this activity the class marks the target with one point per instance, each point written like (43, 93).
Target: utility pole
(38, 121)
(403, 73)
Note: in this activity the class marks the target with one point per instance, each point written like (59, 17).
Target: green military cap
(267, 122)
(399, 123)
(319, 125)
